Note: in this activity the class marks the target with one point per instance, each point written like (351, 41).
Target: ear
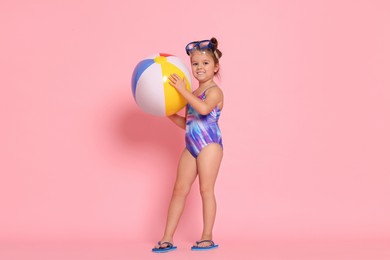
(216, 68)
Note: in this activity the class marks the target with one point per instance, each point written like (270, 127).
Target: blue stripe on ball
(141, 67)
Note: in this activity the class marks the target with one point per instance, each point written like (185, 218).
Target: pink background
(305, 125)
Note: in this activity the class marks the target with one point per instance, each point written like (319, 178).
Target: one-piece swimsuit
(202, 130)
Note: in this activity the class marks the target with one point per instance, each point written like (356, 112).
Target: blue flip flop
(168, 248)
(204, 248)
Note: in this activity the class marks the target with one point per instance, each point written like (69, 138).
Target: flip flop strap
(167, 243)
(203, 241)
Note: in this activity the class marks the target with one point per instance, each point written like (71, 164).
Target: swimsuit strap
(204, 91)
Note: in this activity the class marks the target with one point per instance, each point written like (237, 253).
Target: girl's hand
(178, 83)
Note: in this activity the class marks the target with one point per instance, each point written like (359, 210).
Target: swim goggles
(199, 45)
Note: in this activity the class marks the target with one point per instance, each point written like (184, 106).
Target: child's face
(203, 66)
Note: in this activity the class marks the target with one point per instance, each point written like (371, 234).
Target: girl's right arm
(180, 121)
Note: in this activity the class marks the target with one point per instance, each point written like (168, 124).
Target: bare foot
(204, 242)
(162, 244)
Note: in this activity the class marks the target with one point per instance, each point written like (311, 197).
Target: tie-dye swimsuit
(202, 130)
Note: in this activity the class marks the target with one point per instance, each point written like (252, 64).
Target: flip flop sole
(163, 250)
(198, 248)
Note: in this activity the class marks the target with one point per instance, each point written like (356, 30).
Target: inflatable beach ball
(150, 85)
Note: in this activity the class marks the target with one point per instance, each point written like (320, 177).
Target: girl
(203, 153)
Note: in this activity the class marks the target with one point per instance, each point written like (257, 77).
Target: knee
(207, 192)
(181, 191)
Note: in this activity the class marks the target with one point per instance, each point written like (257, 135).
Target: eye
(206, 63)
(195, 64)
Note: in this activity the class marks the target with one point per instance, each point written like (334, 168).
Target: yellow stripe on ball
(173, 99)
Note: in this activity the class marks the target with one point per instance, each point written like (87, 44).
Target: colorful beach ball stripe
(150, 85)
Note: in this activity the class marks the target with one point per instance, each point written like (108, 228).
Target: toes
(203, 244)
(162, 245)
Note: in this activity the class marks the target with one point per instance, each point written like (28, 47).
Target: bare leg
(208, 163)
(186, 174)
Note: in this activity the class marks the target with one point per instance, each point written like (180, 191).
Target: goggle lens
(199, 45)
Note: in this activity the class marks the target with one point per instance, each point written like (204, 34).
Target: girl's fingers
(173, 78)
(177, 77)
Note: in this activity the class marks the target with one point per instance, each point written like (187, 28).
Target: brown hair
(215, 52)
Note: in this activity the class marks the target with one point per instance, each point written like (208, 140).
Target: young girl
(203, 153)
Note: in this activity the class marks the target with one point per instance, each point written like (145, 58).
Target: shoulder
(214, 91)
